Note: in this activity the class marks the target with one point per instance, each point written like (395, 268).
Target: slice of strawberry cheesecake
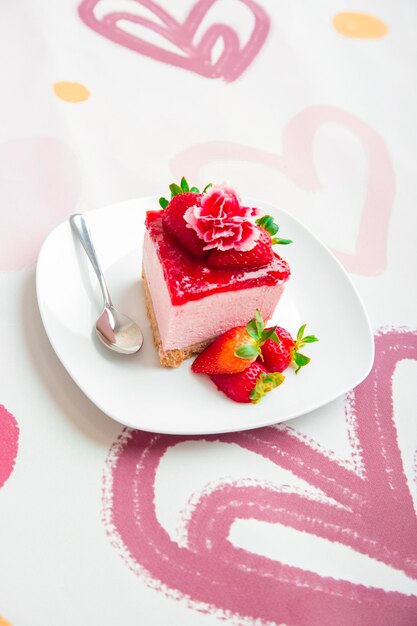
(208, 264)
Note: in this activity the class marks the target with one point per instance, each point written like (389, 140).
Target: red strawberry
(248, 386)
(174, 222)
(235, 350)
(276, 357)
(262, 254)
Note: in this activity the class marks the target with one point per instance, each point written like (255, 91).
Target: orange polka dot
(71, 92)
(4, 622)
(359, 26)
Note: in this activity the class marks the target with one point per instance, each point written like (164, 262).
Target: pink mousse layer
(198, 320)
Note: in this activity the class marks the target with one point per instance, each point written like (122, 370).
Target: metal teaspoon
(117, 331)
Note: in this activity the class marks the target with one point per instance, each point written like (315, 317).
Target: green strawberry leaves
(163, 202)
(175, 190)
(183, 187)
(267, 223)
(259, 322)
(301, 340)
(270, 334)
(301, 332)
(247, 351)
(264, 384)
(299, 359)
(184, 184)
(252, 329)
(282, 242)
(256, 329)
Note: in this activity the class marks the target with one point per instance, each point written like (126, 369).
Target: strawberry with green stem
(183, 187)
(248, 386)
(182, 198)
(277, 356)
(235, 349)
(267, 223)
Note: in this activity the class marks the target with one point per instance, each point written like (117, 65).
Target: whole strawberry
(234, 350)
(277, 356)
(173, 222)
(248, 386)
(182, 198)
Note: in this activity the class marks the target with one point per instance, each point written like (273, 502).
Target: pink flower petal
(222, 222)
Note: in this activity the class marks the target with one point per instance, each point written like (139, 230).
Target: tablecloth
(309, 106)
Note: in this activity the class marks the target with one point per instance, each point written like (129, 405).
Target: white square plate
(136, 390)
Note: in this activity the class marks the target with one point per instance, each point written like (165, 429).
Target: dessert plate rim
(60, 239)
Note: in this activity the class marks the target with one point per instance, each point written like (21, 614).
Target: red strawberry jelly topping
(190, 278)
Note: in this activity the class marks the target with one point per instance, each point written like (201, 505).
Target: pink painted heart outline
(296, 161)
(9, 442)
(233, 61)
(214, 572)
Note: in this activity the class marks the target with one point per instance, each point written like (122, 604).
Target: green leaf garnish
(275, 338)
(264, 384)
(175, 189)
(247, 351)
(283, 242)
(183, 187)
(300, 360)
(259, 322)
(252, 330)
(309, 339)
(301, 340)
(270, 334)
(301, 332)
(267, 223)
(256, 330)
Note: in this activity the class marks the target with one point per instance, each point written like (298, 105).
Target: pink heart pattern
(363, 517)
(195, 57)
(370, 256)
(9, 439)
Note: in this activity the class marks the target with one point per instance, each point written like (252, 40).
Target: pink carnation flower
(222, 222)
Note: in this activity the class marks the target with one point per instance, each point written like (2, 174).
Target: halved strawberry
(261, 255)
(276, 357)
(248, 386)
(235, 350)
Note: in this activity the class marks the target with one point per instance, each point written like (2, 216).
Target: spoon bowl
(117, 331)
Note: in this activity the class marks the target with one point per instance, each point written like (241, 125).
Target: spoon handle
(80, 227)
